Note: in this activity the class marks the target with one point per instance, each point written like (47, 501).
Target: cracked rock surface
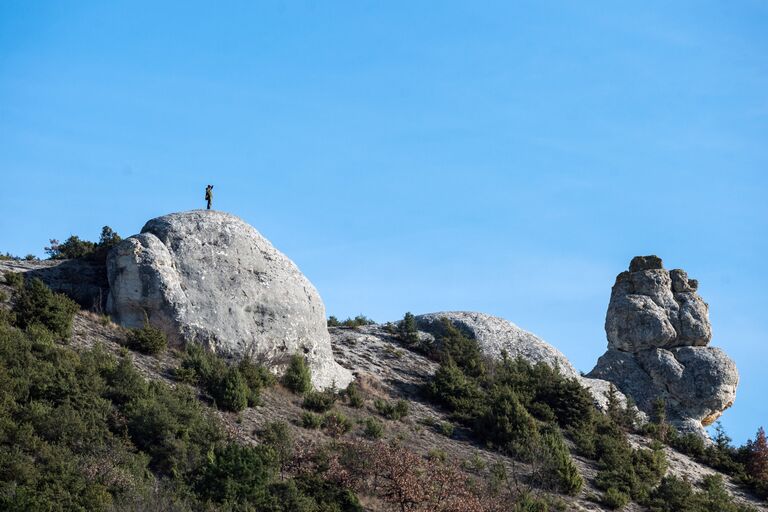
(207, 277)
(658, 330)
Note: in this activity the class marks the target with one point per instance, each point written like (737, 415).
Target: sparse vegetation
(373, 428)
(355, 395)
(336, 424)
(447, 428)
(358, 321)
(392, 410)
(311, 420)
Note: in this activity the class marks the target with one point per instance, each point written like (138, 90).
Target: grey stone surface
(636, 322)
(658, 328)
(653, 307)
(84, 280)
(494, 334)
(639, 263)
(208, 277)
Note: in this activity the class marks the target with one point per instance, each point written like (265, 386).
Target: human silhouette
(209, 195)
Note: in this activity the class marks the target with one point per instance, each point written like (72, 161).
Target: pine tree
(757, 462)
(408, 332)
(613, 407)
(722, 441)
(660, 419)
(297, 377)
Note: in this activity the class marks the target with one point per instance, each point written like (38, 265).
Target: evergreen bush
(147, 340)
(297, 377)
(35, 303)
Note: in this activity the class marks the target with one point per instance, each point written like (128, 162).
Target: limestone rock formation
(208, 277)
(658, 330)
(494, 334)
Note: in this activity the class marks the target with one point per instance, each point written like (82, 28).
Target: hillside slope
(388, 371)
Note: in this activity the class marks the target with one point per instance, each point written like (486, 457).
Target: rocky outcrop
(83, 279)
(208, 277)
(494, 335)
(658, 330)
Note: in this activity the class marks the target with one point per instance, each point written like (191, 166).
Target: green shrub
(108, 238)
(171, 426)
(256, 375)
(437, 454)
(558, 465)
(125, 383)
(508, 425)
(407, 330)
(147, 340)
(672, 495)
(358, 321)
(232, 393)
(319, 401)
(232, 387)
(238, 474)
(297, 377)
(452, 388)
(14, 279)
(311, 420)
(200, 366)
(326, 496)
(35, 303)
(474, 463)
(615, 499)
(453, 344)
(83, 431)
(278, 436)
(373, 428)
(355, 396)
(447, 428)
(392, 411)
(72, 247)
(336, 424)
(689, 444)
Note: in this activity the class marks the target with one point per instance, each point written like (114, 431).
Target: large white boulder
(207, 277)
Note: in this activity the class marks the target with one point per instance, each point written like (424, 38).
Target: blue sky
(507, 157)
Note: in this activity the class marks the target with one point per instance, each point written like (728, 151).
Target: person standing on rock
(209, 195)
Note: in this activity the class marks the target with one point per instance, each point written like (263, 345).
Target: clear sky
(504, 157)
